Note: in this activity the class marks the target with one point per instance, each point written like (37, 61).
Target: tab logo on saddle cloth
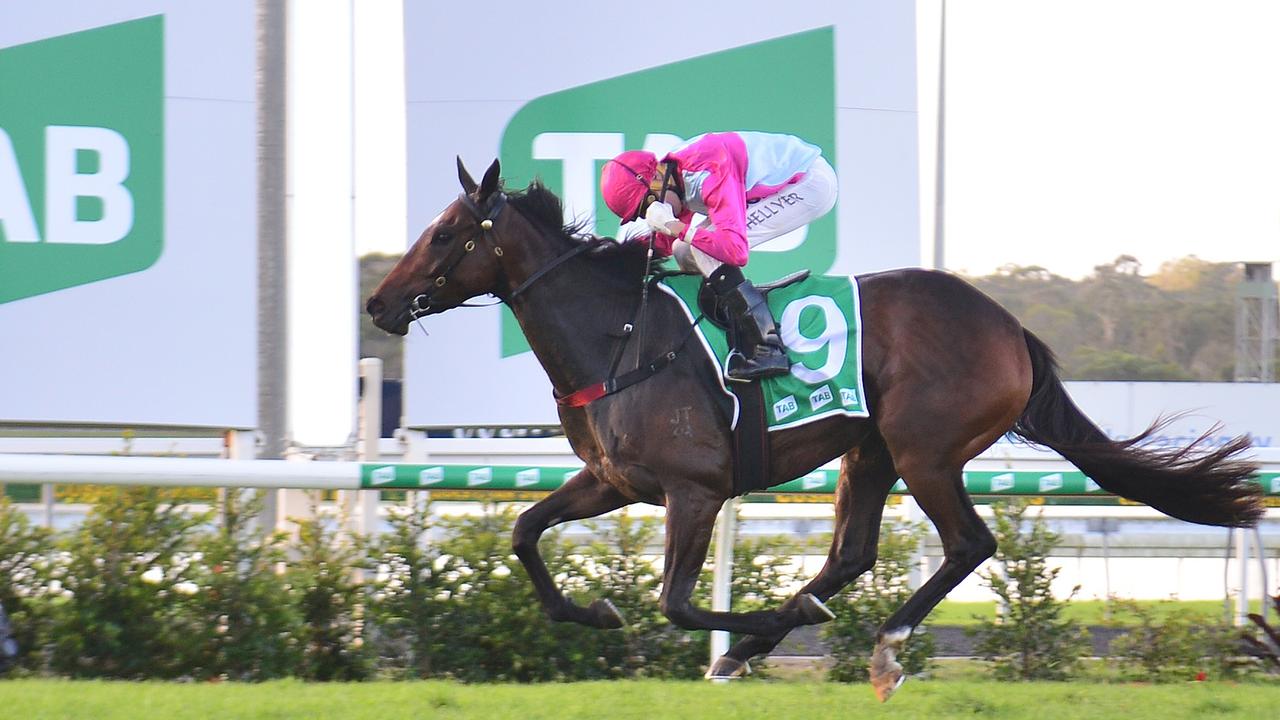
(820, 321)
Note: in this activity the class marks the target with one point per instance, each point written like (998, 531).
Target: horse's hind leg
(966, 542)
(866, 476)
(690, 520)
(583, 496)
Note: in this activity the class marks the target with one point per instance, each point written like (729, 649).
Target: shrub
(26, 583)
(1172, 645)
(494, 624)
(864, 606)
(123, 566)
(1032, 641)
(407, 596)
(616, 567)
(330, 602)
(241, 623)
(464, 607)
(1266, 644)
(144, 588)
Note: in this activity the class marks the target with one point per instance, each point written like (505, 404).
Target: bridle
(486, 216)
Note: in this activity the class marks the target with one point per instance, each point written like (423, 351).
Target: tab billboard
(555, 89)
(128, 276)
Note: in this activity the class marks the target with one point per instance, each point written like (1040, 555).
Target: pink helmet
(624, 181)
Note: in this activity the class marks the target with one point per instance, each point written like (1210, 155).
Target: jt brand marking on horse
(763, 211)
(680, 424)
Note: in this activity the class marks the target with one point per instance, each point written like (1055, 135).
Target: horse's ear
(464, 177)
(490, 182)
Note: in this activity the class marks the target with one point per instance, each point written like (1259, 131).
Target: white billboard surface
(128, 248)
(556, 88)
(1124, 409)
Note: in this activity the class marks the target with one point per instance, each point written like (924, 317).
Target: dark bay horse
(947, 371)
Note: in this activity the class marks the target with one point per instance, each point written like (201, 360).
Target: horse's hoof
(726, 668)
(606, 614)
(813, 610)
(888, 682)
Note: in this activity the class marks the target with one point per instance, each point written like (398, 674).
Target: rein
(421, 304)
(615, 383)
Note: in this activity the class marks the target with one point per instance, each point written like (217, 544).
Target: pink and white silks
(752, 187)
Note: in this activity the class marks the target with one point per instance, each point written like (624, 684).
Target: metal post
(272, 225)
(370, 436)
(912, 514)
(47, 497)
(940, 180)
(1262, 571)
(414, 443)
(1242, 563)
(243, 445)
(722, 577)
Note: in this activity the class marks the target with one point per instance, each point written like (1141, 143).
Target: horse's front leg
(584, 496)
(866, 475)
(690, 521)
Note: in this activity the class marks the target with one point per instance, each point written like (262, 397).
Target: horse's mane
(541, 207)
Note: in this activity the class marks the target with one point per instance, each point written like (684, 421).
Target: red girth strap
(583, 396)
(578, 398)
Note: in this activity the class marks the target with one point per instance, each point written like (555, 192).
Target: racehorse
(947, 372)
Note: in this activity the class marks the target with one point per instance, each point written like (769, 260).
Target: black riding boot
(759, 352)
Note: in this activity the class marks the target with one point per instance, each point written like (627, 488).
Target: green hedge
(144, 589)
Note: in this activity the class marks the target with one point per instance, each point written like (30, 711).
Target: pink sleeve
(723, 156)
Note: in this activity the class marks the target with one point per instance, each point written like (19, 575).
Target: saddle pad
(820, 322)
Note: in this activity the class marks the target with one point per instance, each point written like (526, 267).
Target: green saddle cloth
(820, 322)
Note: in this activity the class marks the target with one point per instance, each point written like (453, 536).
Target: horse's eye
(443, 237)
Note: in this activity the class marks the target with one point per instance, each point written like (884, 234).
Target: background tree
(1117, 324)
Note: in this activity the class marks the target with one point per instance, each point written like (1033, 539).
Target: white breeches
(792, 207)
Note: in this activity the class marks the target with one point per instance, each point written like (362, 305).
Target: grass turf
(622, 700)
(1086, 612)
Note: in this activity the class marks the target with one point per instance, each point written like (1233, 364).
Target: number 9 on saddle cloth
(819, 319)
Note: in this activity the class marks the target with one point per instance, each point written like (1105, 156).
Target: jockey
(752, 187)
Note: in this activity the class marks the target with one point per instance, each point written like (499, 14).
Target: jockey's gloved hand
(658, 216)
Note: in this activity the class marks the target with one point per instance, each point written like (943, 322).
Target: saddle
(751, 457)
(719, 317)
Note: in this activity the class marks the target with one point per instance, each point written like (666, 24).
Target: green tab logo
(782, 85)
(81, 157)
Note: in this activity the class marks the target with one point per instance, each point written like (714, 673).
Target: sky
(1076, 130)
(1079, 131)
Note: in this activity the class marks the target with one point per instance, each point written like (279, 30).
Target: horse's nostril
(375, 306)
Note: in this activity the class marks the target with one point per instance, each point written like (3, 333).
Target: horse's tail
(1208, 486)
